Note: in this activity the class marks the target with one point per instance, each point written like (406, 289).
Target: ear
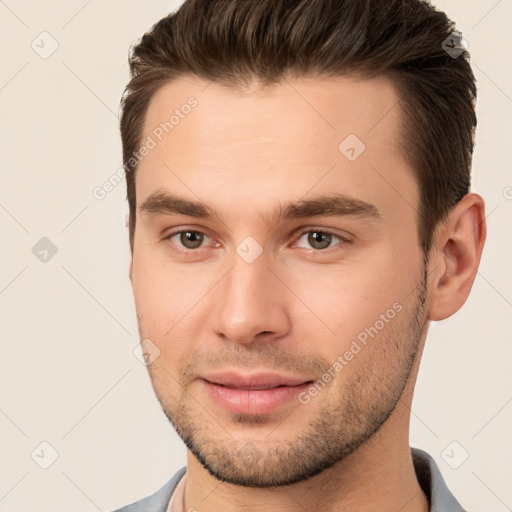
(455, 257)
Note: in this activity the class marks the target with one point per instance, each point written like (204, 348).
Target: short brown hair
(236, 42)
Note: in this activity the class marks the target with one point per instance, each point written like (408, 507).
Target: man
(298, 183)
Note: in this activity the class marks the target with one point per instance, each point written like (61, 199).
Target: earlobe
(456, 256)
(130, 267)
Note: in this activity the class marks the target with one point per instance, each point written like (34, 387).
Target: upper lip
(255, 381)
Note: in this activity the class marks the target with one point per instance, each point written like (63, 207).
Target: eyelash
(343, 241)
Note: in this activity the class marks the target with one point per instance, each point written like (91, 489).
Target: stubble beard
(339, 428)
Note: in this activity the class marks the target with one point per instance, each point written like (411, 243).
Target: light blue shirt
(427, 472)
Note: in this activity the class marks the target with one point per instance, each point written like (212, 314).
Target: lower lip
(253, 402)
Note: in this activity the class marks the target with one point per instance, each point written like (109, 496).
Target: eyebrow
(163, 203)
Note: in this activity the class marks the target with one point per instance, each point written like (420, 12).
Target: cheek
(369, 338)
(169, 309)
(363, 301)
(163, 293)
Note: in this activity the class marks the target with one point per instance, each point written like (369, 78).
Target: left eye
(320, 240)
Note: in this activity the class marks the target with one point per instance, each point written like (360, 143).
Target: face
(277, 271)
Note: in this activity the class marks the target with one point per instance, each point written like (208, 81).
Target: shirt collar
(433, 485)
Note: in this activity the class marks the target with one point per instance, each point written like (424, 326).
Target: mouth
(255, 394)
(254, 388)
(255, 381)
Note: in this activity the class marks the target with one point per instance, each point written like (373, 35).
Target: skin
(296, 307)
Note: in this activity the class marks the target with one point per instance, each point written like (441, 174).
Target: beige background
(68, 326)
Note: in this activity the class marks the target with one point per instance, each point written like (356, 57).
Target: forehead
(280, 139)
(324, 107)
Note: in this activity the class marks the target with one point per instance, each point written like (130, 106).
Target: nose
(251, 304)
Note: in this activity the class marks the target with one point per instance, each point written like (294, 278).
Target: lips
(254, 394)
(252, 382)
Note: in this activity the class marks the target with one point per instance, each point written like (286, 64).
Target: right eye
(188, 239)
